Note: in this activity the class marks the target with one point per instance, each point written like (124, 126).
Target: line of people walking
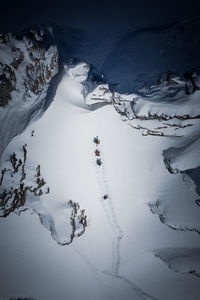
(97, 153)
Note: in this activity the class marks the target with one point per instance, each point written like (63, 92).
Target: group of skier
(97, 153)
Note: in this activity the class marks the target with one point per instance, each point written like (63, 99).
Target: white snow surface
(114, 257)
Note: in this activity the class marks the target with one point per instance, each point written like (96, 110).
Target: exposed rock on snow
(100, 94)
(161, 110)
(17, 184)
(21, 188)
(28, 62)
(177, 208)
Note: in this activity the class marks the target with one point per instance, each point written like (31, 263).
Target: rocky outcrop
(28, 62)
(14, 186)
(154, 110)
(78, 221)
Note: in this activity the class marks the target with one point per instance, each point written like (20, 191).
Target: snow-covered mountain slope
(28, 62)
(166, 110)
(111, 239)
(108, 199)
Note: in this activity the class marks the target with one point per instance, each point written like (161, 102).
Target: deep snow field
(117, 257)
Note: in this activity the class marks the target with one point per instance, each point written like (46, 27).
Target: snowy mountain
(108, 164)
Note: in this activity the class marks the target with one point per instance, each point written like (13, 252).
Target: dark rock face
(27, 64)
(7, 84)
(13, 197)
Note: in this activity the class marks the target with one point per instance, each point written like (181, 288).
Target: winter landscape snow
(99, 186)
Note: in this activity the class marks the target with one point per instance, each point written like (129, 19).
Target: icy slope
(28, 62)
(110, 241)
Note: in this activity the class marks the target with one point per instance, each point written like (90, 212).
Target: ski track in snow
(115, 227)
(140, 293)
(110, 213)
(91, 266)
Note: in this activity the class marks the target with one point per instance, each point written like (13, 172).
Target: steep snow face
(94, 195)
(28, 62)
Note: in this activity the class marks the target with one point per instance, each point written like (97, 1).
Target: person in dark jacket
(99, 162)
(96, 140)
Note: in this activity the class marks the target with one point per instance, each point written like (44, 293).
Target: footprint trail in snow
(107, 203)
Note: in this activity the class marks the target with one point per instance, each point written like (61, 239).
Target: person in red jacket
(97, 152)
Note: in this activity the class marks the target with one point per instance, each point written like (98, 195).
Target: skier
(97, 152)
(96, 140)
(99, 162)
(105, 196)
